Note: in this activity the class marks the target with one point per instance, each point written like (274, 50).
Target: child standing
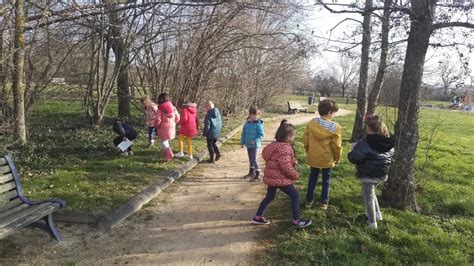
(165, 123)
(151, 110)
(189, 126)
(251, 138)
(373, 156)
(124, 132)
(212, 131)
(280, 173)
(323, 144)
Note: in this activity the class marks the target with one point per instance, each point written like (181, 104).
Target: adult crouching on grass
(124, 132)
(212, 131)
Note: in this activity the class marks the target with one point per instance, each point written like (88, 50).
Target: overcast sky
(321, 22)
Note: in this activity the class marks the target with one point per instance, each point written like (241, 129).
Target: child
(151, 110)
(251, 138)
(189, 126)
(280, 174)
(323, 144)
(165, 124)
(372, 156)
(212, 131)
(124, 132)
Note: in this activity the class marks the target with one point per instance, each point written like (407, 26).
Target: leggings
(151, 134)
(289, 190)
(189, 142)
(212, 148)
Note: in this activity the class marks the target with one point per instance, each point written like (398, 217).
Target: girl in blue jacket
(252, 135)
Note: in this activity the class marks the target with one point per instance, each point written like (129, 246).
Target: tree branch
(442, 25)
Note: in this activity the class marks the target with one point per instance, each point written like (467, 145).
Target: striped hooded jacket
(323, 143)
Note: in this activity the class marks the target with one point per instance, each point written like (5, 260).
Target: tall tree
(358, 129)
(18, 72)
(379, 79)
(400, 190)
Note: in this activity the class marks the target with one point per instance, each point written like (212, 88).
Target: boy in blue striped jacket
(252, 135)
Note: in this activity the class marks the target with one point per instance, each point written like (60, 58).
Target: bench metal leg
(52, 228)
(49, 227)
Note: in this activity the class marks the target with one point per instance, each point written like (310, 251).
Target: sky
(321, 22)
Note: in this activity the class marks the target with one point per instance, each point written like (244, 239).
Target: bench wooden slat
(6, 197)
(5, 214)
(5, 169)
(3, 161)
(11, 204)
(6, 178)
(7, 186)
(24, 214)
(30, 215)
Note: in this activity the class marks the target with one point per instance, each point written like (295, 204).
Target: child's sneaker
(130, 153)
(259, 220)
(190, 157)
(179, 155)
(218, 157)
(251, 174)
(256, 178)
(309, 204)
(378, 216)
(372, 225)
(323, 206)
(302, 223)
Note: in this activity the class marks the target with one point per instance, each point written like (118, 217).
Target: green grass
(69, 159)
(442, 235)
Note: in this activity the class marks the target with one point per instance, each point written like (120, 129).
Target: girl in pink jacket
(165, 123)
(151, 111)
(280, 173)
(189, 127)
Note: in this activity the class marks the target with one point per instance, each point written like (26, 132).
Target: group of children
(322, 141)
(323, 145)
(162, 119)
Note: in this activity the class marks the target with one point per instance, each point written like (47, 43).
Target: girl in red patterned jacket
(280, 173)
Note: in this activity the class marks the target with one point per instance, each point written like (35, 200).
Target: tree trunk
(121, 57)
(358, 130)
(400, 190)
(374, 94)
(17, 75)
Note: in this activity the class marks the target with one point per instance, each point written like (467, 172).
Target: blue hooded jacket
(252, 134)
(212, 124)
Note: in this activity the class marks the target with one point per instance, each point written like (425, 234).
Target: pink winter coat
(151, 112)
(280, 164)
(189, 120)
(166, 124)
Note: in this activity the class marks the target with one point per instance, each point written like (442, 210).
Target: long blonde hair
(375, 123)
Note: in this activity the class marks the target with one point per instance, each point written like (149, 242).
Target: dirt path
(205, 218)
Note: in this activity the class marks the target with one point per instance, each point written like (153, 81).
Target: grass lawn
(68, 159)
(442, 235)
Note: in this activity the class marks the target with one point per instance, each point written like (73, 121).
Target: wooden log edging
(133, 205)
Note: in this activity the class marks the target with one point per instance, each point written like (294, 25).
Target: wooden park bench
(296, 107)
(16, 211)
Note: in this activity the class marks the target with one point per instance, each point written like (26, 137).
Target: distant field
(443, 235)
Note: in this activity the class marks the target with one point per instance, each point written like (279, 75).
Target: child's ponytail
(284, 131)
(375, 123)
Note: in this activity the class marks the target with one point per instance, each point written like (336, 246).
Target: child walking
(373, 156)
(189, 127)
(323, 144)
(252, 135)
(280, 173)
(212, 131)
(151, 110)
(165, 123)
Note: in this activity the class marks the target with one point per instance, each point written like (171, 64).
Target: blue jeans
(290, 191)
(252, 152)
(151, 134)
(313, 180)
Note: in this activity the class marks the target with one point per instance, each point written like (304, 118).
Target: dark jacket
(212, 124)
(372, 156)
(124, 130)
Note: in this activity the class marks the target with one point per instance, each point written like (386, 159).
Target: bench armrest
(61, 203)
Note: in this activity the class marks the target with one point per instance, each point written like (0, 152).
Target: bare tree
(451, 77)
(347, 72)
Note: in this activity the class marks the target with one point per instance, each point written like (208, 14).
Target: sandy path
(205, 218)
